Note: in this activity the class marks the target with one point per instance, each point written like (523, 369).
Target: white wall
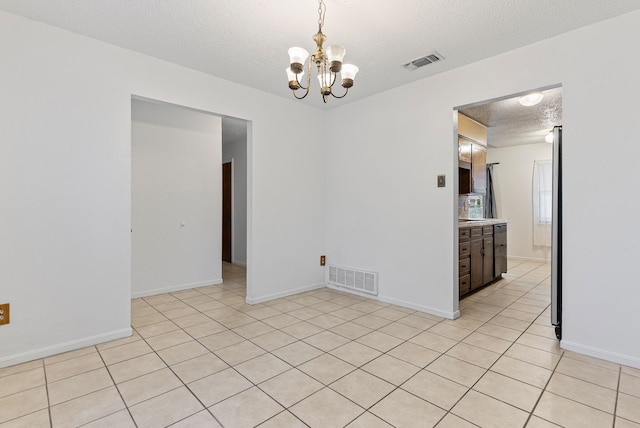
(384, 212)
(65, 183)
(237, 151)
(176, 198)
(513, 183)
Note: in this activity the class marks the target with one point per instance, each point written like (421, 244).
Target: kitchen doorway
(517, 136)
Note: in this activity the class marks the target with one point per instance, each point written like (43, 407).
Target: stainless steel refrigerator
(556, 239)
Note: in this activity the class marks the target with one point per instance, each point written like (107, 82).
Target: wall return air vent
(422, 61)
(354, 279)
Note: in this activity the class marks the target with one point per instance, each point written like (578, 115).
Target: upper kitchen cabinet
(464, 150)
(472, 130)
(472, 156)
(478, 169)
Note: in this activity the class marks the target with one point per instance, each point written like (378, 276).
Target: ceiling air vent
(422, 61)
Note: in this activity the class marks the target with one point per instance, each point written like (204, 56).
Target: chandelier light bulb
(290, 74)
(349, 72)
(297, 57)
(326, 81)
(294, 79)
(335, 54)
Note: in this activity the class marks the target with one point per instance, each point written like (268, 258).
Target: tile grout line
(46, 385)
(615, 406)
(233, 366)
(117, 389)
(445, 353)
(396, 387)
(488, 370)
(168, 366)
(285, 408)
(531, 323)
(543, 391)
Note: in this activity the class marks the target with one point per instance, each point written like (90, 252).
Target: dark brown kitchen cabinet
(464, 262)
(487, 259)
(472, 167)
(464, 285)
(477, 263)
(481, 254)
(500, 249)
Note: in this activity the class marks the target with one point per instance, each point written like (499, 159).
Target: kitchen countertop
(481, 222)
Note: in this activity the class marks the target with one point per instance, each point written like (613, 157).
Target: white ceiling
(246, 41)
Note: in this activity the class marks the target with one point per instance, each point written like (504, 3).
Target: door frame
(557, 264)
(249, 173)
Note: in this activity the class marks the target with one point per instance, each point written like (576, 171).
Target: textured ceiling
(246, 41)
(512, 124)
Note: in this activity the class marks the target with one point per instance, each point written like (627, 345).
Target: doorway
(517, 136)
(234, 222)
(177, 157)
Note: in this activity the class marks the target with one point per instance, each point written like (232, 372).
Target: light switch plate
(441, 180)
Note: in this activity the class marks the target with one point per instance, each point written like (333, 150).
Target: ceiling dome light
(549, 137)
(531, 99)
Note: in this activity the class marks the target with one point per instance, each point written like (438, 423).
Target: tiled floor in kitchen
(203, 358)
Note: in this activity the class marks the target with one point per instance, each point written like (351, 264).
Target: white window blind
(542, 202)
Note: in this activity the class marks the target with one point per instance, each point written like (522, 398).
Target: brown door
(226, 212)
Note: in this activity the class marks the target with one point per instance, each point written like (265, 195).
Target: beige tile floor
(204, 358)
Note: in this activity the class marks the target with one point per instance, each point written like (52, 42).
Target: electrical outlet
(323, 260)
(4, 313)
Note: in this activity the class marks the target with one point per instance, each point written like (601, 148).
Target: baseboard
(351, 291)
(145, 293)
(614, 357)
(427, 309)
(268, 297)
(64, 347)
(239, 263)
(408, 305)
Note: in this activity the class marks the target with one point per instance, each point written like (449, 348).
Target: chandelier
(328, 62)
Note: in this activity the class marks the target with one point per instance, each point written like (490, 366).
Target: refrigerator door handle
(556, 240)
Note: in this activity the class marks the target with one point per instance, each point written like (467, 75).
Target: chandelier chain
(322, 9)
